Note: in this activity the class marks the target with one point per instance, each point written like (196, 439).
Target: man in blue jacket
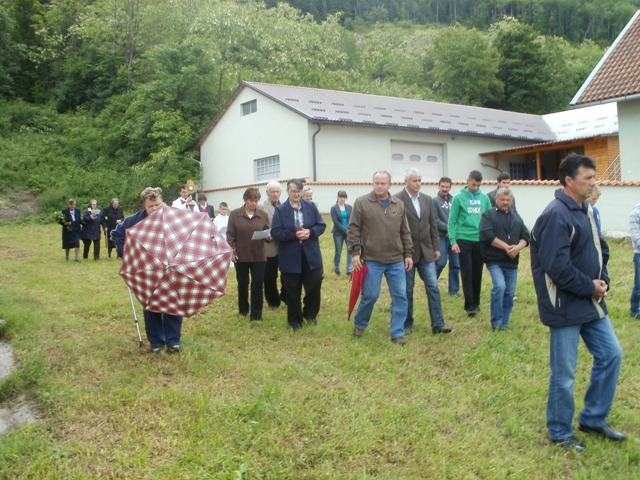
(568, 260)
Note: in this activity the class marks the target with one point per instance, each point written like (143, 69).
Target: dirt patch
(19, 411)
(17, 203)
(16, 414)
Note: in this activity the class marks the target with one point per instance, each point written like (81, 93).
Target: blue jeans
(602, 343)
(397, 283)
(454, 265)
(162, 329)
(339, 239)
(504, 287)
(635, 293)
(427, 272)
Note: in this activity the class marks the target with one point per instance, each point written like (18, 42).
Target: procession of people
(396, 236)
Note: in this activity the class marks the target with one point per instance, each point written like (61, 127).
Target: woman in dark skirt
(71, 229)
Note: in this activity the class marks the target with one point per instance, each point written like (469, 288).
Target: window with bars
(267, 168)
(516, 171)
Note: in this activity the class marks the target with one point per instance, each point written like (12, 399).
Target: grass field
(257, 401)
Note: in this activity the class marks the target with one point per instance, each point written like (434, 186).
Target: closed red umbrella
(357, 279)
(175, 261)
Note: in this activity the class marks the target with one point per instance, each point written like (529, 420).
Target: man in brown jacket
(379, 237)
(426, 242)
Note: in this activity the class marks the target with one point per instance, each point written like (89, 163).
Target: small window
(414, 158)
(432, 159)
(516, 171)
(267, 168)
(398, 157)
(249, 107)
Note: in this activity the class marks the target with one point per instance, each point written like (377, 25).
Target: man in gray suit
(271, 293)
(424, 234)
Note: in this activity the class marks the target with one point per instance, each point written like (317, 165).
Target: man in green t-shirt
(464, 234)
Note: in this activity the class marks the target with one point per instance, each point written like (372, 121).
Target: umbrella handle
(135, 317)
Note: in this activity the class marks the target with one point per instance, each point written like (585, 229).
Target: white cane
(135, 316)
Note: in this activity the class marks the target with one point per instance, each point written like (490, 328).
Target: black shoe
(472, 312)
(357, 332)
(443, 329)
(173, 349)
(400, 341)
(312, 321)
(606, 431)
(571, 443)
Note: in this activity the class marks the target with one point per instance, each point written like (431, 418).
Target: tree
(523, 69)
(465, 67)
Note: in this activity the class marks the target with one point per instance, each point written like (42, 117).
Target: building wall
(353, 153)
(603, 150)
(228, 153)
(629, 126)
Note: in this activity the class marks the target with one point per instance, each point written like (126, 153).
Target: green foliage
(523, 67)
(110, 96)
(465, 69)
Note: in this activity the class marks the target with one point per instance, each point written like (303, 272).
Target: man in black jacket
(502, 234)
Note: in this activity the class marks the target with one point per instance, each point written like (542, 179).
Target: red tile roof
(617, 75)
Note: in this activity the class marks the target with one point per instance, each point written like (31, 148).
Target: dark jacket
(424, 230)
(91, 225)
(336, 217)
(239, 233)
(290, 249)
(566, 257)
(71, 233)
(507, 227)
(208, 209)
(441, 206)
(119, 235)
(111, 215)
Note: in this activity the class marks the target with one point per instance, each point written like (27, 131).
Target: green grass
(256, 401)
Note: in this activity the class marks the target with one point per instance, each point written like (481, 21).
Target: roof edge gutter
(624, 98)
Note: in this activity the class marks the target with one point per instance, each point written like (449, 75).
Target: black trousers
(255, 270)
(87, 246)
(471, 272)
(110, 244)
(271, 291)
(311, 280)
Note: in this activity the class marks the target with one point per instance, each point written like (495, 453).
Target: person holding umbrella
(162, 329)
(248, 252)
(296, 226)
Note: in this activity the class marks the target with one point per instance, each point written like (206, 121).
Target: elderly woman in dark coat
(71, 229)
(91, 223)
(249, 255)
(296, 226)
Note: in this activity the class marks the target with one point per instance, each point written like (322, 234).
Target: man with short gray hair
(424, 235)
(379, 238)
(502, 234)
(271, 293)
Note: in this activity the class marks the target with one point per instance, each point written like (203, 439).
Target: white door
(426, 157)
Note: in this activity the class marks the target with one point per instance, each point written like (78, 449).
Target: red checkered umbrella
(175, 261)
